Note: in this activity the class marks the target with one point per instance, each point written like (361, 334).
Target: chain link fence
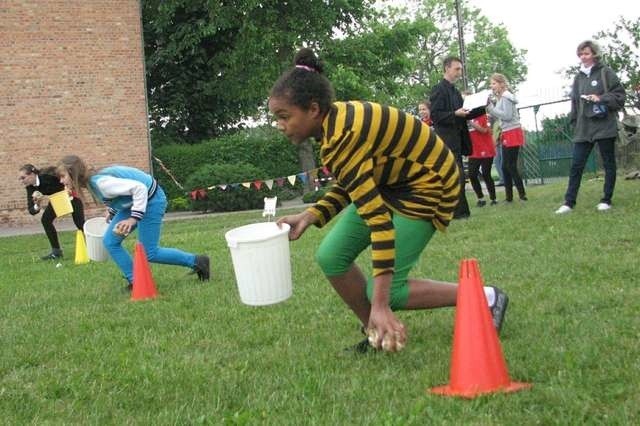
(548, 150)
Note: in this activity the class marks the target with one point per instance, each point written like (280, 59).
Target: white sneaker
(563, 209)
(603, 207)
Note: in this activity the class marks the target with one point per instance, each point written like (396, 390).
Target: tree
(211, 63)
(398, 54)
(622, 52)
(372, 64)
(490, 51)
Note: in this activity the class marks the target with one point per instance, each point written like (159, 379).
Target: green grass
(75, 350)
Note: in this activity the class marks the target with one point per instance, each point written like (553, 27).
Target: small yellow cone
(82, 256)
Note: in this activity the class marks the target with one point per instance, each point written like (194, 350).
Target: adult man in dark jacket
(450, 123)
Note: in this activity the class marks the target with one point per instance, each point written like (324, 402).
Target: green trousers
(351, 235)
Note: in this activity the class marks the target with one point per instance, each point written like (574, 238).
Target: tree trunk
(307, 160)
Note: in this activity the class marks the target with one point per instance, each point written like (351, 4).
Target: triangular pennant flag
(234, 185)
(257, 184)
(325, 171)
(303, 177)
(292, 179)
(269, 183)
(246, 184)
(222, 186)
(279, 181)
(211, 187)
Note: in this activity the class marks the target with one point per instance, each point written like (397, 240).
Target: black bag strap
(603, 75)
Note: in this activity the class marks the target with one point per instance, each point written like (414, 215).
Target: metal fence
(548, 149)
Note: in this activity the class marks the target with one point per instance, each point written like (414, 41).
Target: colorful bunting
(199, 194)
(304, 177)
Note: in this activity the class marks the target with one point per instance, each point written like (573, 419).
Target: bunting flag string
(168, 172)
(304, 177)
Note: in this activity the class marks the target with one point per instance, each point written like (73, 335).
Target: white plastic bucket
(94, 230)
(260, 255)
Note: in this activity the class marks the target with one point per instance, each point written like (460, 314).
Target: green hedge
(263, 147)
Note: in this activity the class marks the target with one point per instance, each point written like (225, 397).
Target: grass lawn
(74, 350)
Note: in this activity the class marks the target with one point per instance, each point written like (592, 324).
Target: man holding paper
(450, 122)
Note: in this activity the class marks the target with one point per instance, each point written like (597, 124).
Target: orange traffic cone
(477, 363)
(143, 285)
(82, 256)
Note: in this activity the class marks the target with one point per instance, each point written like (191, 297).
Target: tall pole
(463, 52)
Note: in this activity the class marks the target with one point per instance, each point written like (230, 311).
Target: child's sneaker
(202, 267)
(499, 308)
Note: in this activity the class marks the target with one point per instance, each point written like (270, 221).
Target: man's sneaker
(481, 203)
(499, 308)
(563, 209)
(202, 267)
(603, 207)
(494, 202)
(55, 254)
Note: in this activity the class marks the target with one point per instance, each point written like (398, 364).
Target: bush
(179, 204)
(263, 147)
(314, 196)
(233, 197)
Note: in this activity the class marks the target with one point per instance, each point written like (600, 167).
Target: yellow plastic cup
(61, 203)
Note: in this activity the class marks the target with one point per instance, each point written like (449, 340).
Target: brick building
(71, 81)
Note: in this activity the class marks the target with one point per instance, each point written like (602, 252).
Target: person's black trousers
(49, 215)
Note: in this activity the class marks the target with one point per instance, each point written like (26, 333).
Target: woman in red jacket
(481, 158)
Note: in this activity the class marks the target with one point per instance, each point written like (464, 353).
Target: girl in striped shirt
(396, 183)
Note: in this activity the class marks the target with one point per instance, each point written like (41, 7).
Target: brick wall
(71, 81)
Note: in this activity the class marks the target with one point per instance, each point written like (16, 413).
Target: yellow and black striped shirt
(385, 160)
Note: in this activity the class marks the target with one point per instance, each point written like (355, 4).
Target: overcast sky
(550, 30)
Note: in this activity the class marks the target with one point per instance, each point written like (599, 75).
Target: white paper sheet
(476, 100)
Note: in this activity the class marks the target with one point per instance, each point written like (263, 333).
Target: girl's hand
(298, 222)
(124, 227)
(385, 330)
